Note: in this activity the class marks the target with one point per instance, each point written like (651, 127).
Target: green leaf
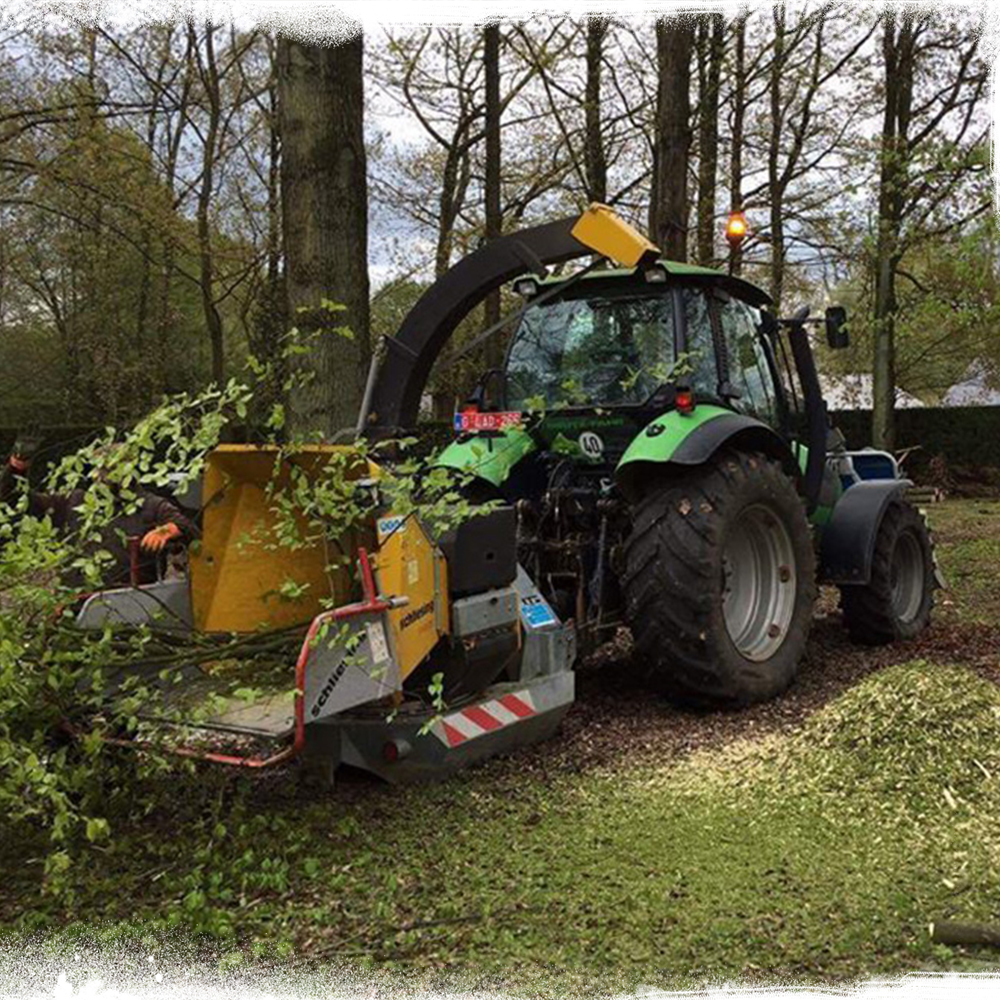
(97, 829)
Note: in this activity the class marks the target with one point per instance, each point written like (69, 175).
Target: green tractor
(655, 451)
(663, 441)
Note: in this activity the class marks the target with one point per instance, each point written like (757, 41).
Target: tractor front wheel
(720, 581)
(896, 603)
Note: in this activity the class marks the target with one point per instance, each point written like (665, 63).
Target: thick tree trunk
(899, 56)
(775, 192)
(325, 226)
(594, 162)
(736, 147)
(269, 320)
(710, 53)
(206, 194)
(669, 202)
(491, 186)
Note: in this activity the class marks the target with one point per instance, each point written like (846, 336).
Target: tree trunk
(710, 53)
(206, 193)
(951, 932)
(775, 192)
(669, 202)
(899, 56)
(736, 148)
(450, 203)
(325, 228)
(491, 186)
(269, 320)
(594, 161)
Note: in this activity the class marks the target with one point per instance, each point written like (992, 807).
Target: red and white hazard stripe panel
(486, 717)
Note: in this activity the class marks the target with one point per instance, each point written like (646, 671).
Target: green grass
(820, 852)
(968, 541)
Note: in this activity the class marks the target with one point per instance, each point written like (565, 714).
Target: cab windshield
(601, 350)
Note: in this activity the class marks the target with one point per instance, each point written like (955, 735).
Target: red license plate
(473, 420)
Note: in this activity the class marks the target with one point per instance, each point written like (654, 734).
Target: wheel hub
(907, 577)
(759, 583)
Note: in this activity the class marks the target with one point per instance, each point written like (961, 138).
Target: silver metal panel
(166, 604)
(549, 646)
(536, 613)
(483, 611)
(345, 671)
(547, 653)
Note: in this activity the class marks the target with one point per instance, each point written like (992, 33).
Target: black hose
(816, 418)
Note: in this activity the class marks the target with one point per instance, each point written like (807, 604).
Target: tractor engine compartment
(568, 536)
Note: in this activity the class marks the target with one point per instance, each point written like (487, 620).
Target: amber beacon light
(736, 228)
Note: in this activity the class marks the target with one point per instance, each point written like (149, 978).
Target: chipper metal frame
(347, 708)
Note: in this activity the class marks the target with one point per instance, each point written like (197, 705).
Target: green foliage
(948, 307)
(57, 772)
(54, 677)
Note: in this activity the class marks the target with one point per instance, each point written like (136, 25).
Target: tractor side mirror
(837, 335)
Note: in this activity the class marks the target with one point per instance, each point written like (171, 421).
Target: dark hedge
(967, 436)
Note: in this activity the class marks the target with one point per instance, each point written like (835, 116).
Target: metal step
(271, 715)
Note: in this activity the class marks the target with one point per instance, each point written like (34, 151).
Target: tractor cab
(631, 338)
(597, 358)
(606, 347)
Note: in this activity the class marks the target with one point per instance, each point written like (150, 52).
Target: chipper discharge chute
(659, 455)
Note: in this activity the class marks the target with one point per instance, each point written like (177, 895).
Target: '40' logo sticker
(591, 444)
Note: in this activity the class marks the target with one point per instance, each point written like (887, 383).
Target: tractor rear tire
(896, 604)
(720, 581)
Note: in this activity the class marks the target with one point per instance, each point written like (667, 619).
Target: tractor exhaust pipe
(366, 401)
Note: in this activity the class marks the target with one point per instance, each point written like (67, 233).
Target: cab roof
(730, 283)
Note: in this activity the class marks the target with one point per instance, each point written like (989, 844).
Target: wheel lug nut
(784, 574)
(774, 631)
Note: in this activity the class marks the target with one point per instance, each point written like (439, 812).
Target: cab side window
(699, 363)
(748, 369)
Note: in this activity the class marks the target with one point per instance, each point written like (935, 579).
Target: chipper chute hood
(411, 353)
(240, 570)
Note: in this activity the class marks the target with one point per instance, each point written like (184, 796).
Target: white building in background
(974, 389)
(854, 392)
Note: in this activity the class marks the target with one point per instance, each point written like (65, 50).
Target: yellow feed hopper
(242, 576)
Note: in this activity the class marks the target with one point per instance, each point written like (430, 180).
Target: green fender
(661, 439)
(490, 458)
(692, 438)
